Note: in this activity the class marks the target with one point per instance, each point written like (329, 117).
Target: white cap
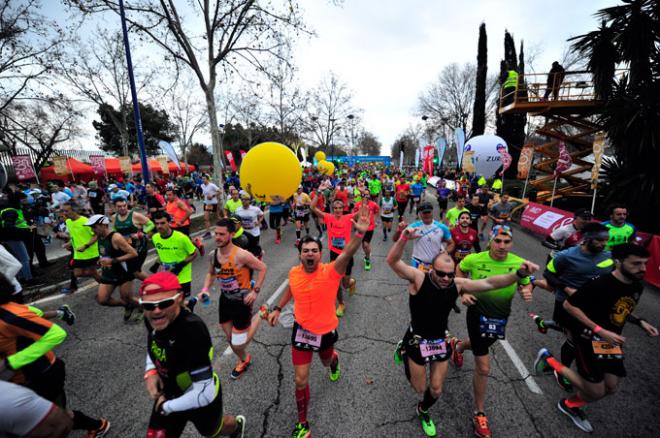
(112, 186)
(97, 219)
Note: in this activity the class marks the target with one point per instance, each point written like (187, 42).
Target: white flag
(169, 150)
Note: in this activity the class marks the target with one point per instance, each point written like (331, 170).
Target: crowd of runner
(460, 255)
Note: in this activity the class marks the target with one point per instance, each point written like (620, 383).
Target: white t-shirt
(59, 198)
(22, 409)
(249, 219)
(210, 192)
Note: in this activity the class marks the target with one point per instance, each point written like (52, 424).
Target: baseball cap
(160, 282)
(583, 213)
(97, 219)
(112, 186)
(424, 206)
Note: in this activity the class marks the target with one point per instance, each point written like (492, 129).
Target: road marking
(270, 301)
(527, 377)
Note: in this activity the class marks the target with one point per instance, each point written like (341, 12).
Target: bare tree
(232, 34)
(368, 144)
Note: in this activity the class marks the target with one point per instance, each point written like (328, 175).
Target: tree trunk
(479, 111)
(218, 150)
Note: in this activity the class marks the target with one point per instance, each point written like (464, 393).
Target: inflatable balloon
(330, 169)
(322, 167)
(319, 156)
(270, 170)
(486, 156)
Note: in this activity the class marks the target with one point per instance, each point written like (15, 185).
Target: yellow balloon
(320, 156)
(270, 172)
(322, 166)
(330, 168)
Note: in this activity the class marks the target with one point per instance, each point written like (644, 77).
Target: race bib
(387, 210)
(492, 328)
(301, 212)
(416, 198)
(307, 340)
(229, 285)
(247, 224)
(91, 194)
(605, 350)
(436, 348)
(338, 242)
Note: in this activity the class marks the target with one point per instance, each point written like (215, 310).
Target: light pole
(332, 135)
(351, 122)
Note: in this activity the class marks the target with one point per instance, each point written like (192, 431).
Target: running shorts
(301, 354)
(349, 268)
(87, 263)
(589, 366)
(480, 345)
(368, 236)
(411, 347)
(234, 311)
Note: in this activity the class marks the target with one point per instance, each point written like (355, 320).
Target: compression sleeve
(52, 338)
(36, 311)
(149, 364)
(148, 227)
(201, 393)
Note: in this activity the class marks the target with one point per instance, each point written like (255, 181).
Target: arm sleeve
(201, 393)
(149, 364)
(52, 338)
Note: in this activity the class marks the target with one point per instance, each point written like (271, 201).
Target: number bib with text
(492, 327)
(605, 350)
(433, 349)
(307, 340)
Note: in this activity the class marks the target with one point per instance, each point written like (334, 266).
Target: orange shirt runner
(315, 294)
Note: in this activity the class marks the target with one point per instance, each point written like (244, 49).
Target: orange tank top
(314, 297)
(234, 282)
(177, 213)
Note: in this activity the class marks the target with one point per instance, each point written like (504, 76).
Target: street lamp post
(351, 119)
(332, 135)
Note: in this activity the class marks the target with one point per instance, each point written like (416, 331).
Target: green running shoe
(301, 431)
(334, 376)
(427, 424)
(367, 264)
(398, 357)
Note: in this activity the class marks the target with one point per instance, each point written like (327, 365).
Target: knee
(482, 368)
(419, 387)
(301, 381)
(436, 390)
(102, 300)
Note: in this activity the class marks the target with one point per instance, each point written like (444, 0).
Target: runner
(27, 341)
(116, 253)
(342, 195)
(443, 197)
(179, 373)
(402, 193)
(82, 243)
(600, 309)
(620, 230)
(500, 213)
(276, 216)
(388, 205)
(339, 232)
(231, 266)
(374, 209)
(321, 205)
(487, 316)
(300, 206)
(233, 202)
(133, 226)
(451, 220)
(431, 297)
(570, 234)
(312, 285)
(179, 212)
(465, 238)
(154, 200)
(251, 218)
(375, 187)
(175, 253)
(96, 198)
(478, 214)
(416, 194)
(211, 193)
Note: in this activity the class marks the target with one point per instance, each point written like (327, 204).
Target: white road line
(270, 301)
(527, 377)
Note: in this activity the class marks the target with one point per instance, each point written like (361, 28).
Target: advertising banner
(98, 163)
(543, 219)
(23, 167)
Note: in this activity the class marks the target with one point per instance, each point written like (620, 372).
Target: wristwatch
(256, 289)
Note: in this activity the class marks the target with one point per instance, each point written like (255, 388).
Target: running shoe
(297, 243)
(241, 367)
(334, 375)
(577, 415)
(367, 264)
(240, 427)
(540, 363)
(351, 286)
(563, 382)
(68, 290)
(301, 431)
(481, 428)
(427, 424)
(128, 312)
(398, 356)
(278, 241)
(384, 238)
(456, 356)
(67, 314)
(263, 311)
(341, 308)
(101, 431)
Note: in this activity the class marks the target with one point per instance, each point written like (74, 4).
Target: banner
(599, 144)
(170, 152)
(243, 154)
(564, 162)
(506, 160)
(401, 160)
(428, 159)
(98, 163)
(230, 159)
(23, 167)
(162, 160)
(125, 164)
(417, 152)
(60, 166)
(441, 146)
(460, 144)
(543, 219)
(468, 162)
(525, 161)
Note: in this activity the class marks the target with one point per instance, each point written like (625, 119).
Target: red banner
(23, 167)
(653, 265)
(98, 163)
(564, 162)
(428, 152)
(230, 158)
(243, 154)
(543, 219)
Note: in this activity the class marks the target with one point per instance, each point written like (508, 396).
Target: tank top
(429, 309)
(387, 206)
(234, 281)
(177, 214)
(107, 250)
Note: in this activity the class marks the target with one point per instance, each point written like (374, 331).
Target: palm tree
(629, 37)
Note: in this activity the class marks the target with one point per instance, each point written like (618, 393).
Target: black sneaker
(577, 415)
(240, 427)
(67, 314)
(241, 368)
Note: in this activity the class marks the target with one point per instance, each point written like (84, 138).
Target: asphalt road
(105, 364)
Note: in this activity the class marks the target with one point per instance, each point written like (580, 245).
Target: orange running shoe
(241, 367)
(481, 428)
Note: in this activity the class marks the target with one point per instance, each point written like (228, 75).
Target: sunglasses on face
(162, 304)
(442, 274)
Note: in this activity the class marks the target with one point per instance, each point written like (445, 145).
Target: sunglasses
(442, 274)
(162, 304)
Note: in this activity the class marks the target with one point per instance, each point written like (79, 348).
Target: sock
(298, 234)
(567, 353)
(384, 232)
(73, 282)
(334, 362)
(575, 402)
(302, 401)
(554, 364)
(428, 401)
(83, 422)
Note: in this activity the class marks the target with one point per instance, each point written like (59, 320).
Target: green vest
(20, 221)
(511, 79)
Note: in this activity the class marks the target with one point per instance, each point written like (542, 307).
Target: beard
(630, 276)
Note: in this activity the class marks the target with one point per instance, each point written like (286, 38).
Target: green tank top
(126, 228)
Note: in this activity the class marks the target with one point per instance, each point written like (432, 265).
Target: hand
(648, 328)
(611, 337)
(105, 262)
(527, 268)
(570, 290)
(402, 226)
(411, 233)
(81, 248)
(250, 298)
(159, 403)
(154, 386)
(526, 292)
(273, 317)
(468, 300)
(362, 224)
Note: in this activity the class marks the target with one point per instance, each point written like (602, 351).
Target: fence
(78, 154)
